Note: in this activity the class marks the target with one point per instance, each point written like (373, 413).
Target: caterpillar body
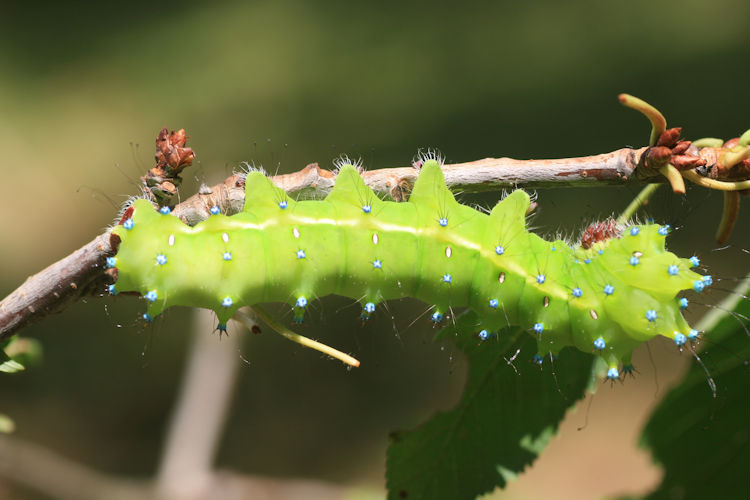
(605, 299)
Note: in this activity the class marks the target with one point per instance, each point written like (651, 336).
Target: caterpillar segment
(605, 299)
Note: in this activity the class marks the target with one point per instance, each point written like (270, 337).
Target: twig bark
(80, 273)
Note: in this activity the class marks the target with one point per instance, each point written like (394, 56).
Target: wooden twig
(80, 273)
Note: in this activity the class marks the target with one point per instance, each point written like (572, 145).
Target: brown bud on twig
(171, 152)
(657, 157)
(669, 137)
(171, 157)
(685, 162)
(681, 147)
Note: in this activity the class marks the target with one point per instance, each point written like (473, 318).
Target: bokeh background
(84, 89)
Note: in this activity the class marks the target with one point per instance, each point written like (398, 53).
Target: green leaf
(704, 443)
(18, 353)
(509, 410)
(7, 365)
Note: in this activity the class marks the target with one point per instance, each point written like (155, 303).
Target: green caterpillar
(606, 299)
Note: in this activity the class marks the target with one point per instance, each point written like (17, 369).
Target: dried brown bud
(669, 137)
(162, 141)
(171, 151)
(685, 162)
(657, 156)
(681, 147)
(177, 139)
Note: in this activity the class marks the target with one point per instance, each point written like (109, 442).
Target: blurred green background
(85, 89)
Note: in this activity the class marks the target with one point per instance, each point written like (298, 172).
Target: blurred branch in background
(199, 415)
(195, 428)
(43, 471)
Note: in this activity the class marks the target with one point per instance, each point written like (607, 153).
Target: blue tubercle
(483, 335)
(600, 252)
(112, 290)
(111, 262)
(227, 256)
(577, 292)
(613, 374)
(447, 278)
(147, 317)
(587, 261)
(151, 296)
(537, 359)
(161, 259)
(165, 210)
(540, 278)
(366, 209)
(437, 317)
(634, 231)
(377, 264)
(227, 302)
(609, 290)
(708, 280)
(494, 303)
(538, 328)
(683, 303)
(282, 204)
(664, 230)
(699, 285)
(679, 339)
(301, 254)
(651, 315)
(695, 261)
(634, 261)
(215, 210)
(443, 221)
(673, 270)
(599, 344)
(301, 302)
(693, 335)
(128, 224)
(369, 308)
(499, 250)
